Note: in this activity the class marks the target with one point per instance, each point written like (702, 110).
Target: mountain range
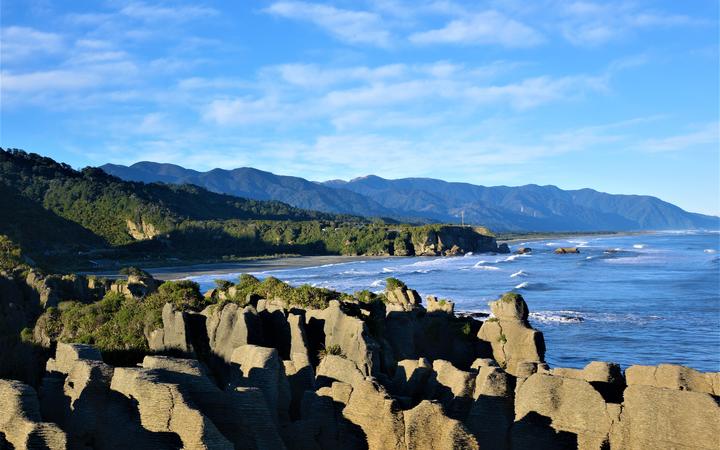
(426, 200)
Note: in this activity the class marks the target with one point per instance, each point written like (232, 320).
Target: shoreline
(544, 237)
(259, 264)
(284, 262)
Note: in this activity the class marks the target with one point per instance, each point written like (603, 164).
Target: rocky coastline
(264, 372)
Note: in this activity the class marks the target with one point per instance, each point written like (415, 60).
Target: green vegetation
(117, 323)
(134, 271)
(502, 339)
(510, 297)
(271, 288)
(492, 319)
(393, 283)
(366, 296)
(66, 220)
(330, 350)
(223, 285)
(10, 254)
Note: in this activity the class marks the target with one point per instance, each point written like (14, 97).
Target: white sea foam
(485, 267)
(388, 270)
(377, 283)
(523, 285)
(468, 254)
(519, 273)
(710, 250)
(639, 246)
(557, 317)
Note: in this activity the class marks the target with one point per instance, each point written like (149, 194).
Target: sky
(619, 96)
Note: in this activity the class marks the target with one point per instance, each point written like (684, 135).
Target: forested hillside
(64, 218)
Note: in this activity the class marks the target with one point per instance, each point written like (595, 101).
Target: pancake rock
(512, 339)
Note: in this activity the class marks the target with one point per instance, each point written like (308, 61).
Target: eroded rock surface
(355, 376)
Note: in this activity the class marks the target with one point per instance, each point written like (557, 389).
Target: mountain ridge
(528, 207)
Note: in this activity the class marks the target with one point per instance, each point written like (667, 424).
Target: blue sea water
(654, 299)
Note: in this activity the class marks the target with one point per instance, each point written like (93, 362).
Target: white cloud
(244, 111)
(489, 27)
(536, 91)
(155, 13)
(19, 43)
(47, 80)
(355, 27)
(593, 24)
(311, 75)
(706, 135)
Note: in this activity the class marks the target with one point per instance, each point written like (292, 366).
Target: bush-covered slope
(105, 204)
(66, 219)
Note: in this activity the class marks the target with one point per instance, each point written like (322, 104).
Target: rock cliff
(354, 375)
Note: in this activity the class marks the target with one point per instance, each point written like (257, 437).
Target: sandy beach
(250, 265)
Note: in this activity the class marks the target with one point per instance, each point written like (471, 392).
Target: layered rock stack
(355, 376)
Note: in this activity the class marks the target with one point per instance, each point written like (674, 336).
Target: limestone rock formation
(137, 286)
(442, 305)
(20, 422)
(352, 376)
(350, 334)
(402, 299)
(175, 333)
(662, 417)
(231, 326)
(573, 406)
(261, 367)
(671, 376)
(512, 339)
(428, 428)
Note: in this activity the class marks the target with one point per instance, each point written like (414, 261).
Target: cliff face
(354, 376)
(452, 240)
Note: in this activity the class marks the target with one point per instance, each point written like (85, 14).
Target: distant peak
(368, 178)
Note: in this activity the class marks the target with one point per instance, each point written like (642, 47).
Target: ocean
(640, 299)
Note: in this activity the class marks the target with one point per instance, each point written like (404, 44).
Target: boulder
(566, 250)
(523, 250)
(20, 422)
(512, 339)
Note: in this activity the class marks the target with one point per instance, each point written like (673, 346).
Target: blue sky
(618, 96)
